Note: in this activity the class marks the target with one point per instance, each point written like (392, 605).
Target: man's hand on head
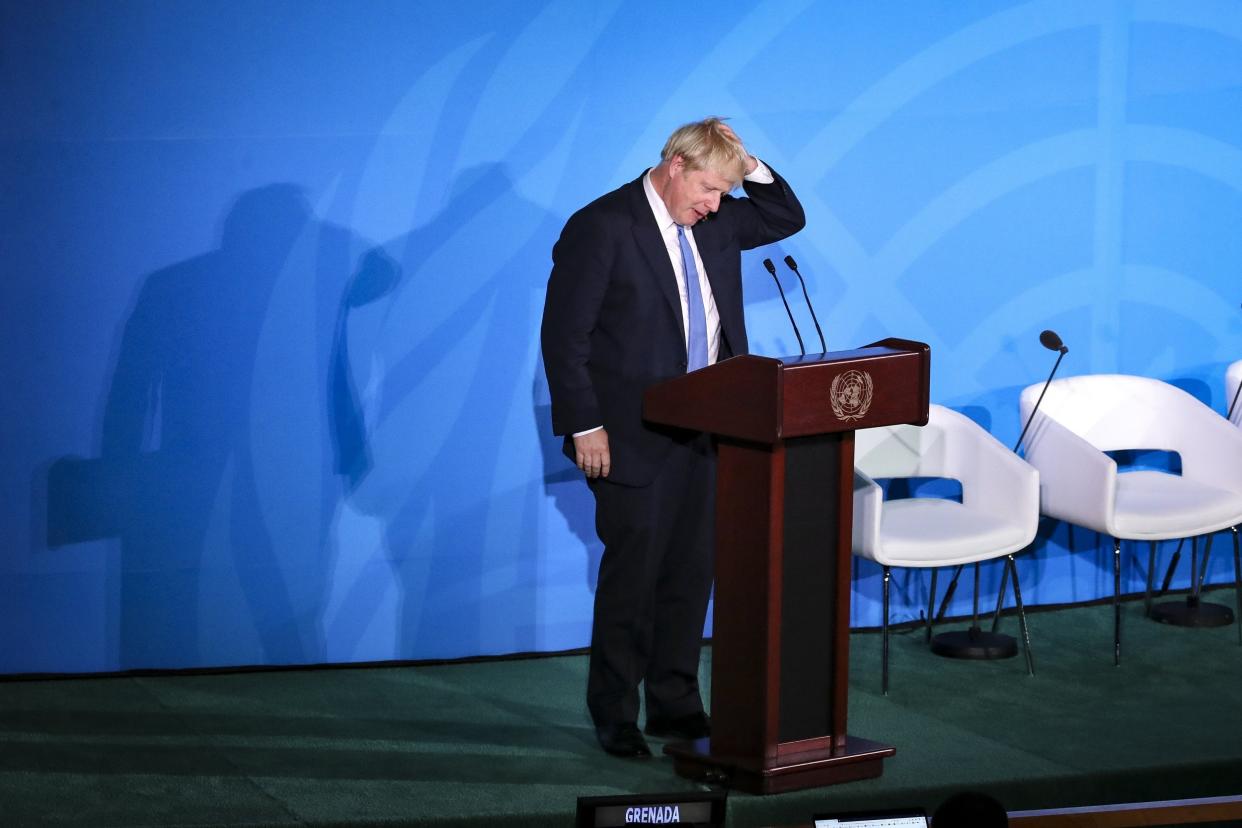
(751, 161)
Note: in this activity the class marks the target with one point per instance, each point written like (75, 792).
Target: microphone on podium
(1052, 342)
(772, 269)
(792, 265)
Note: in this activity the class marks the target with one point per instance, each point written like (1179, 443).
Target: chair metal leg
(1151, 569)
(1203, 568)
(948, 593)
(1237, 580)
(1116, 602)
(1000, 598)
(1194, 569)
(884, 637)
(1173, 562)
(1017, 599)
(931, 603)
(974, 601)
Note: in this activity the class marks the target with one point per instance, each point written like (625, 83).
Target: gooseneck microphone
(1229, 416)
(1052, 342)
(792, 265)
(772, 269)
(974, 642)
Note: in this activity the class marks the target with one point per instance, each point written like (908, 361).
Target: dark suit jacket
(612, 323)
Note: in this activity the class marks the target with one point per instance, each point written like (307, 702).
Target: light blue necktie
(696, 340)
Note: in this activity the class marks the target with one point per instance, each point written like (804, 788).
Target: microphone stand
(772, 269)
(1193, 612)
(1063, 350)
(975, 643)
(792, 265)
(1229, 416)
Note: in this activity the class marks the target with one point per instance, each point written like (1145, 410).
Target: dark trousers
(654, 582)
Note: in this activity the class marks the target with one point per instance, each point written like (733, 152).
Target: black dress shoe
(623, 740)
(692, 726)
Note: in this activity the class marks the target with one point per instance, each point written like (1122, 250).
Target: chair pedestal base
(1192, 613)
(974, 643)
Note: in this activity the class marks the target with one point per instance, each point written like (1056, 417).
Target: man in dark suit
(646, 285)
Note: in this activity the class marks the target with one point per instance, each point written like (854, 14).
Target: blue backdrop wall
(273, 272)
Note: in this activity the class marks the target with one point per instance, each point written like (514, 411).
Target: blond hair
(703, 145)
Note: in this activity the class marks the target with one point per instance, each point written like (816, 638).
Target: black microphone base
(1192, 613)
(974, 643)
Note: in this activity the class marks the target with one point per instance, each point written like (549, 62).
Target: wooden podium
(784, 501)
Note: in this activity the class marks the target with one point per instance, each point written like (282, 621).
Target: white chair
(998, 515)
(1081, 418)
(1233, 399)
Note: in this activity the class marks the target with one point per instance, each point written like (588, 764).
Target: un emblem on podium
(851, 394)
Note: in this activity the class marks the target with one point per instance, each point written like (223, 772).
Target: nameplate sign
(706, 809)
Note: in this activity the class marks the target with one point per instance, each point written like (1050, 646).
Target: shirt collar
(663, 220)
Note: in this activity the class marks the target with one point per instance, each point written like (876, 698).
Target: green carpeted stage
(457, 744)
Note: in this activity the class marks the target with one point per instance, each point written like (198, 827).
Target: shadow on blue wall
(174, 481)
(376, 278)
(566, 486)
(456, 585)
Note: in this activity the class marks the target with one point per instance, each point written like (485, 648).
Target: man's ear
(677, 164)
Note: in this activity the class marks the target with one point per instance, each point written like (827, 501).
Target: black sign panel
(705, 809)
